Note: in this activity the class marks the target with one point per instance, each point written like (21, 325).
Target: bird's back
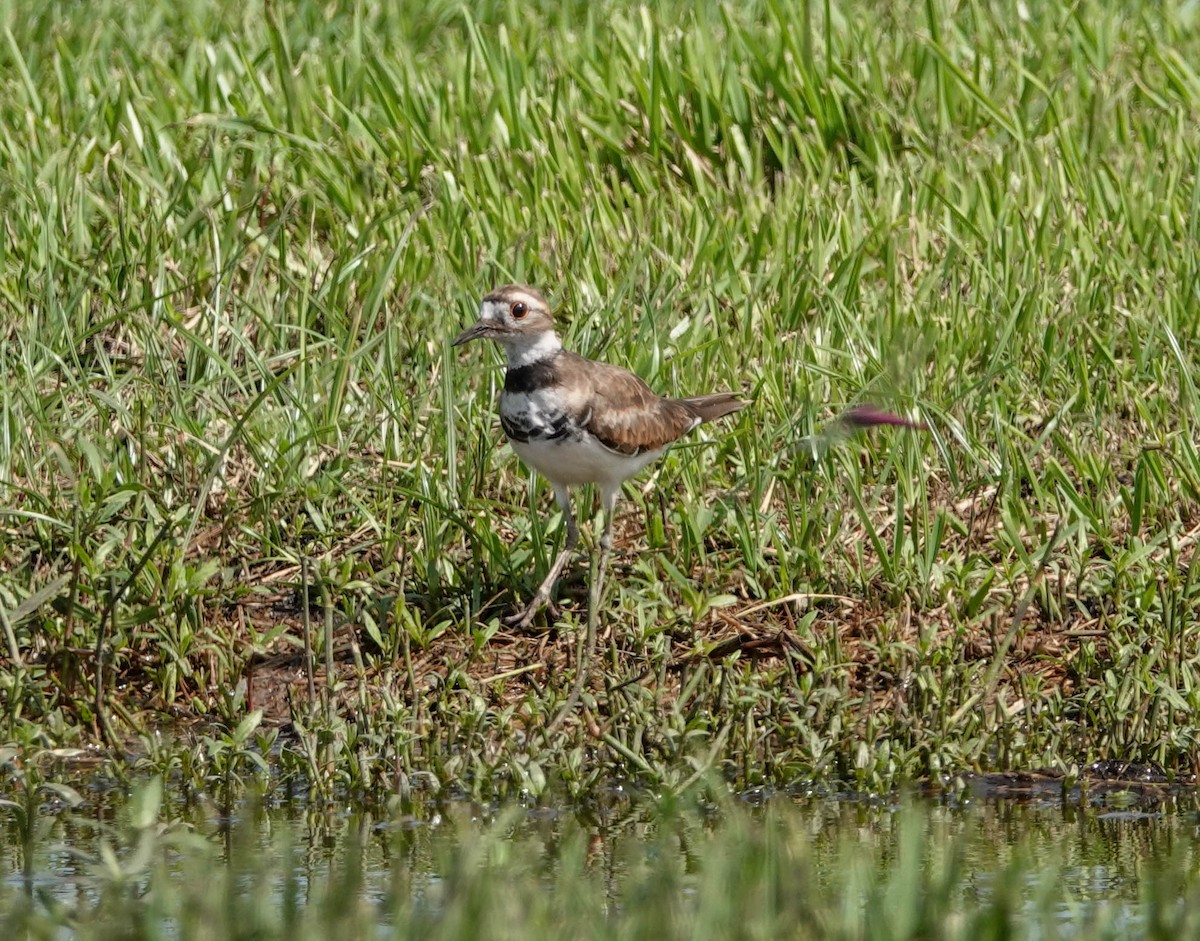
(573, 401)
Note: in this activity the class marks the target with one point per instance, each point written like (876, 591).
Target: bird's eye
(519, 310)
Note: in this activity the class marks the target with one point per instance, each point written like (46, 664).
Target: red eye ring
(519, 310)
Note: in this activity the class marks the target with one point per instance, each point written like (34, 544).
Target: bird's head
(519, 319)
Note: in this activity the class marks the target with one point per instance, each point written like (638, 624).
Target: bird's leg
(542, 597)
(608, 499)
(587, 642)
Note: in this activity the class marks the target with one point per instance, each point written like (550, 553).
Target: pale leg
(587, 643)
(608, 500)
(542, 598)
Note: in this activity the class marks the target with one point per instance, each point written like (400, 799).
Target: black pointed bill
(484, 329)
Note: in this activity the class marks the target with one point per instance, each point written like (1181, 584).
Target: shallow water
(1098, 845)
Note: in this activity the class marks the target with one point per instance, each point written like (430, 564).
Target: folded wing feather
(624, 414)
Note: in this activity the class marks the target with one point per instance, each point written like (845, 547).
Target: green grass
(238, 238)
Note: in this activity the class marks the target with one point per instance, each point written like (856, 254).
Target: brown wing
(622, 412)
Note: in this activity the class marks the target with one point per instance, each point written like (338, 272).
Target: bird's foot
(523, 618)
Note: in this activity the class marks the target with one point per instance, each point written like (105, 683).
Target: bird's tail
(713, 406)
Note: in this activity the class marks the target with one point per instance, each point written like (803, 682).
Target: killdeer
(577, 421)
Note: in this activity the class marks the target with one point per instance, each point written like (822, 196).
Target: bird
(575, 420)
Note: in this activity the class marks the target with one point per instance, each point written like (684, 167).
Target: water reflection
(1100, 846)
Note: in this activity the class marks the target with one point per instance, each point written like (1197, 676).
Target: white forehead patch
(492, 310)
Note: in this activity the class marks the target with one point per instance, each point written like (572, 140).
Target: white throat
(526, 352)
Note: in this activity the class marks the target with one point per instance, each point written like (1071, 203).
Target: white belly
(580, 461)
